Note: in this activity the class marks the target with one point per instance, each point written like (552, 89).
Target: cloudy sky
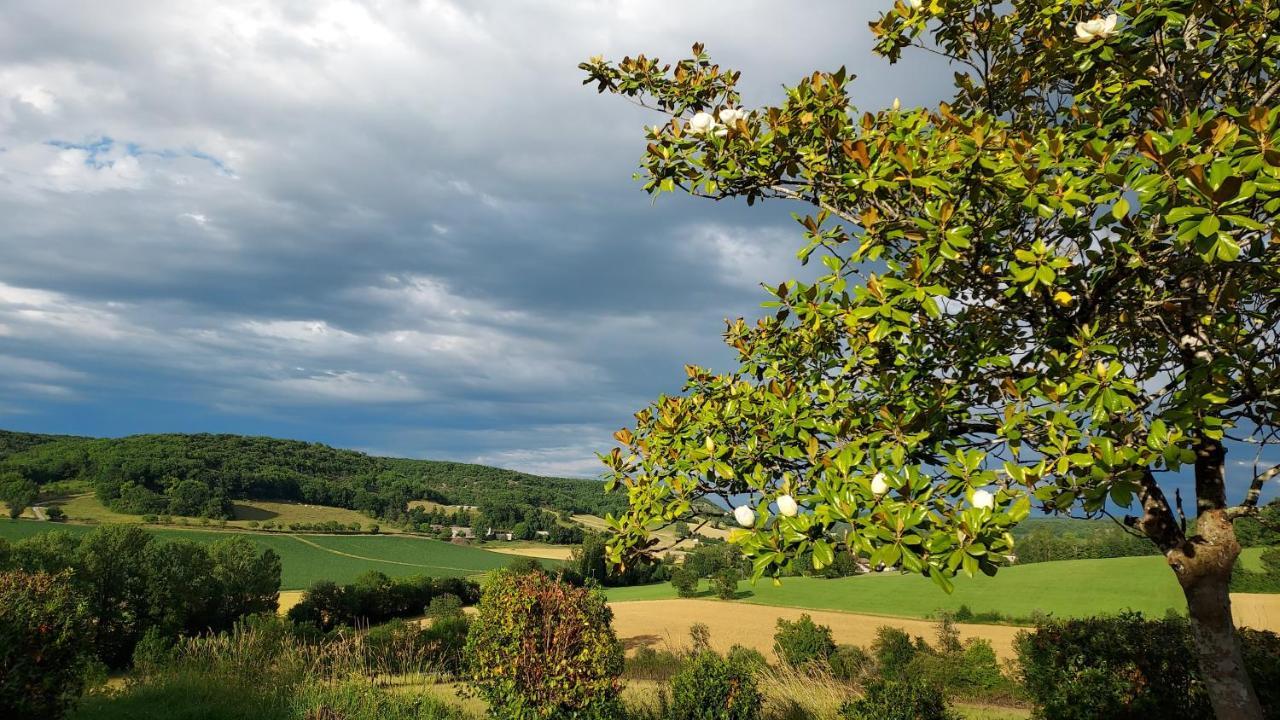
(401, 226)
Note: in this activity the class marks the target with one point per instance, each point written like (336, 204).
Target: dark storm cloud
(399, 226)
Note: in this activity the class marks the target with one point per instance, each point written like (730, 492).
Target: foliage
(589, 562)
(45, 645)
(541, 648)
(202, 474)
(725, 583)
(899, 700)
(685, 581)
(894, 650)
(711, 687)
(803, 642)
(375, 598)
(130, 582)
(1057, 290)
(17, 493)
(850, 662)
(1127, 667)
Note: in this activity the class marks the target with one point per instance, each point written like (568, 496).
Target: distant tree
(180, 597)
(248, 580)
(685, 581)
(17, 493)
(725, 581)
(111, 565)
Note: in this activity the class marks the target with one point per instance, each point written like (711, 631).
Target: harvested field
(659, 623)
(544, 552)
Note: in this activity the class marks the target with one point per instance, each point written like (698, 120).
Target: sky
(398, 226)
(402, 227)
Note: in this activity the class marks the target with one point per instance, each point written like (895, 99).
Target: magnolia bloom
(983, 499)
(915, 4)
(731, 116)
(701, 123)
(745, 516)
(897, 103)
(878, 485)
(787, 505)
(1096, 29)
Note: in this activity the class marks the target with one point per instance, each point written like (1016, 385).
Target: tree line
(131, 583)
(200, 475)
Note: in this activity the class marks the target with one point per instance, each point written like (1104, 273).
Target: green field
(1069, 588)
(307, 558)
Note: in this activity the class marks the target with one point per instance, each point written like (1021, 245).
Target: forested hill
(201, 474)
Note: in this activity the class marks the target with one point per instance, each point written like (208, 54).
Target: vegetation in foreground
(542, 648)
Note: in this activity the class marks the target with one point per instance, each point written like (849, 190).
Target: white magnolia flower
(897, 103)
(983, 499)
(1096, 29)
(745, 516)
(787, 505)
(701, 123)
(878, 485)
(731, 116)
(915, 4)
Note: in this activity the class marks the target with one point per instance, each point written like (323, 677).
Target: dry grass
(792, 692)
(1256, 610)
(666, 536)
(533, 550)
(283, 513)
(289, 598)
(655, 622)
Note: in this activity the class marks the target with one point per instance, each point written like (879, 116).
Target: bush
(647, 663)
(55, 514)
(803, 642)
(45, 645)
(685, 581)
(711, 687)
(893, 651)
(445, 642)
(899, 700)
(850, 662)
(725, 582)
(541, 648)
(1127, 667)
(444, 607)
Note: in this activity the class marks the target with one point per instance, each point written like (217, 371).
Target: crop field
(307, 558)
(1068, 588)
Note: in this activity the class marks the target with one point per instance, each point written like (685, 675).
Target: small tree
(541, 648)
(17, 493)
(725, 582)
(803, 641)
(685, 581)
(1056, 291)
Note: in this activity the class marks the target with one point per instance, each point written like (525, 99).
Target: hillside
(202, 474)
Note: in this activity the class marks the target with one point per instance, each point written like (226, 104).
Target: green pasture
(1069, 588)
(307, 558)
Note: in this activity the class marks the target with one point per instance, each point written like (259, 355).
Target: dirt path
(665, 623)
(39, 512)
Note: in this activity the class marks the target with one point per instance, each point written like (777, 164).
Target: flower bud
(745, 516)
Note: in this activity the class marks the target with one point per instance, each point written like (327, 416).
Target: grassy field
(1064, 589)
(307, 558)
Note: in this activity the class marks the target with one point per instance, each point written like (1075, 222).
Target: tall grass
(263, 670)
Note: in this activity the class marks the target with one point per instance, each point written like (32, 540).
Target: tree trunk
(1203, 566)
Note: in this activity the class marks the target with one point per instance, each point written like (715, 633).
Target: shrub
(45, 645)
(1127, 667)
(443, 607)
(650, 664)
(893, 651)
(55, 514)
(700, 637)
(899, 700)
(725, 582)
(803, 641)
(445, 642)
(541, 648)
(850, 662)
(711, 687)
(685, 581)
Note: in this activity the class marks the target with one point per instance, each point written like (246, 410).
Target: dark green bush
(893, 651)
(725, 582)
(45, 645)
(803, 642)
(647, 663)
(685, 581)
(542, 648)
(850, 662)
(711, 687)
(1127, 667)
(899, 700)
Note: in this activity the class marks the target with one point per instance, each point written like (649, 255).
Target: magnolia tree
(1058, 291)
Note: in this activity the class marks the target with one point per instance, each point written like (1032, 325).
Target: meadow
(307, 558)
(1068, 588)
